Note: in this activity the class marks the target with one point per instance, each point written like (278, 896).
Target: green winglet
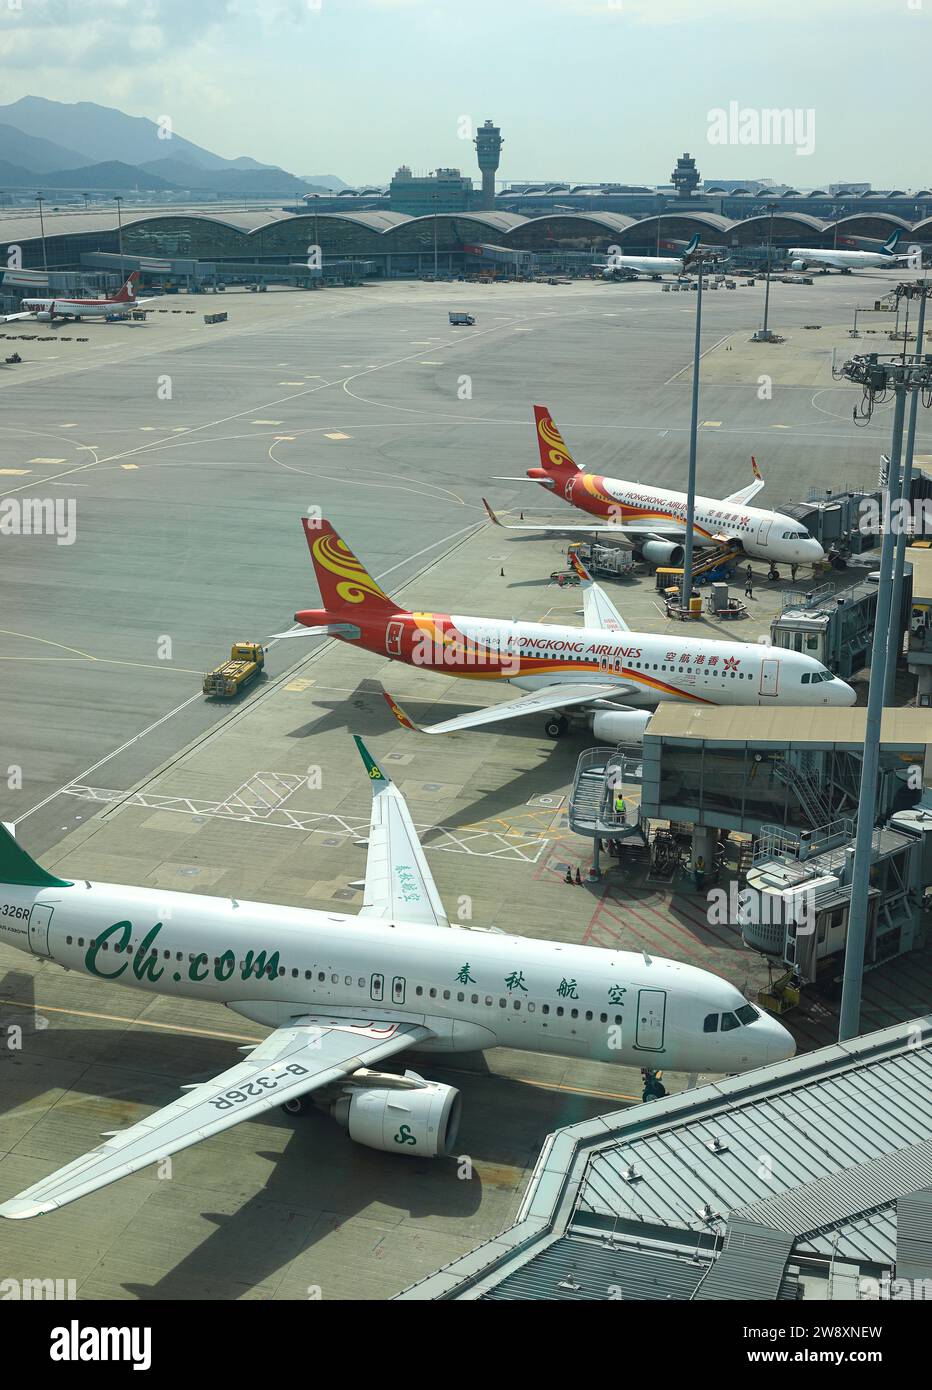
(372, 767)
(16, 866)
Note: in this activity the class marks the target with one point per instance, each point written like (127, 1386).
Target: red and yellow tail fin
(345, 583)
(555, 457)
(577, 565)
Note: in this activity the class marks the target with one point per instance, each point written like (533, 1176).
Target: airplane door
(763, 532)
(652, 1008)
(769, 676)
(393, 636)
(39, 919)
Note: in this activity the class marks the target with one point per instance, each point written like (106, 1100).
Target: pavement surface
(191, 452)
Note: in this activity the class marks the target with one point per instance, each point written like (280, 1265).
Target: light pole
(118, 200)
(765, 332)
(895, 637)
(434, 201)
(876, 376)
(686, 586)
(45, 265)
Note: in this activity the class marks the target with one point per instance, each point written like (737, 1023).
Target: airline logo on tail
(128, 291)
(341, 576)
(554, 455)
(691, 245)
(892, 241)
(580, 569)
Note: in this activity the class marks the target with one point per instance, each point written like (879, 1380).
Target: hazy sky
(583, 89)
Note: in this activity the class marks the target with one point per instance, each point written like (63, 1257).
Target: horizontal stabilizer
(347, 630)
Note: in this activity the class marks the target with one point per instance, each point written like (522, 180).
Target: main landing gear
(556, 725)
(298, 1105)
(653, 1087)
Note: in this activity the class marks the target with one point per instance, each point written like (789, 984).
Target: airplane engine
(798, 265)
(620, 725)
(418, 1119)
(660, 553)
(44, 317)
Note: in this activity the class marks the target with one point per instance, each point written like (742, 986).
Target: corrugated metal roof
(832, 1147)
(914, 1235)
(821, 1148)
(589, 1271)
(751, 1266)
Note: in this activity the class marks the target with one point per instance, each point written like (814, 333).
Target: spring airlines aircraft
(562, 668)
(49, 309)
(342, 993)
(652, 520)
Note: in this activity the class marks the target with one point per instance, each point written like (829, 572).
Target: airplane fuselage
(472, 988)
(843, 260)
(765, 535)
(645, 265)
(535, 656)
(75, 308)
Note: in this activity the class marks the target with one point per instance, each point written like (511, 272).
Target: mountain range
(84, 147)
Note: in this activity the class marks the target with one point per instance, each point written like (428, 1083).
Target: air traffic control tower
(488, 143)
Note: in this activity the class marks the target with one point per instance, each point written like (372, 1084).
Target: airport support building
(808, 1179)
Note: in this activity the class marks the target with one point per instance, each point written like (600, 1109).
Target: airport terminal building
(393, 244)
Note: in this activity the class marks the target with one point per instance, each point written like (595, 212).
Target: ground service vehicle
(246, 661)
(466, 319)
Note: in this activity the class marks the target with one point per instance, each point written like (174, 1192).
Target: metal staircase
(599, 777)
(804, 781)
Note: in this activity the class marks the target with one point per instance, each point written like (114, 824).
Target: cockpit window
(711, 1023)
(747, 1013)
(728, 1022)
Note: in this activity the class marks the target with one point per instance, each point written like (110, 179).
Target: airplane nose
(842, 693)
(780, 1042)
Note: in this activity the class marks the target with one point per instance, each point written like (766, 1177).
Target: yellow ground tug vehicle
(246, 661)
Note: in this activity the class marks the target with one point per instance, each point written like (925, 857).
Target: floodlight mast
(876, 375)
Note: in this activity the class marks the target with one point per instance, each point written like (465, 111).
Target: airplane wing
(598, 609)
(745, 494)
(14, 318)
(399, 885)
(633, 531)
(290, 1062)
(553, 697)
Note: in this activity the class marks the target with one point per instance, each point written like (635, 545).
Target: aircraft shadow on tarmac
(318, 1182)
(366, 713)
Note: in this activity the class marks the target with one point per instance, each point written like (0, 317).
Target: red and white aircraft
(559, 668)
(48, 309)
(652, 520)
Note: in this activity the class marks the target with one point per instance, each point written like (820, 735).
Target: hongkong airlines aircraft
(603, 671)
(342, 993)
(652, 520)
(59, 307)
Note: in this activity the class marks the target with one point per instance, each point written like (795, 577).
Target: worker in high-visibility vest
(620, 805)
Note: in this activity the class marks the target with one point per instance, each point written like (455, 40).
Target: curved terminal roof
(604, 221)
(269, 226)
(862, 218)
